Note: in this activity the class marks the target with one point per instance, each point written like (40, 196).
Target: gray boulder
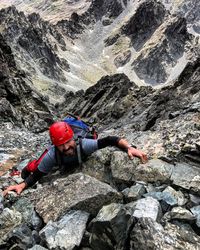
(179, 213)
(123, 168)
(77, 191)
(154, 171)
(186, 176)
(9, 219)
(98, 165)
(148, 234)
(134, 193)
(29, 216)
(109, 230)
(147, 207)
(67, 233)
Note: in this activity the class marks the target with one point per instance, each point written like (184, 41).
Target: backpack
(81, 130)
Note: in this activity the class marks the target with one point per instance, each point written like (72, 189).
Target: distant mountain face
(150, 41)
(52, 10)
(19, 104)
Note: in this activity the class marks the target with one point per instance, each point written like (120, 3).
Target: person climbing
(66, 152)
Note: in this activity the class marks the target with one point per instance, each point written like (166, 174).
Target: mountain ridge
(93, 44)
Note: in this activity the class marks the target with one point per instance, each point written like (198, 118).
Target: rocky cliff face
(33, 51)
(52, 11)
(19, 103)
(150, 41)
(123, 101)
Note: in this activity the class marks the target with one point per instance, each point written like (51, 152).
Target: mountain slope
(20, 104)
(150, 41)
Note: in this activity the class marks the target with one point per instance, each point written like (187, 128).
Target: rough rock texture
(51, 10)
(187, 9)
(150, 41)
(18, 102)
(179, 213)
(133, 193)
(98, 165)
(148, 233)
(189, 180)
(140, 27)
(78, 191)
(106, 101)
(33, 43)
(9, 220)
(123, 173)
(66, 233)
(115, 98)
(104, 11)
(154, 62)
(154, 171)
(109, 230)
(147, 207)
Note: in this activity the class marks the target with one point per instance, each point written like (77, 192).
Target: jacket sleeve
(34, 177)
(108, 141)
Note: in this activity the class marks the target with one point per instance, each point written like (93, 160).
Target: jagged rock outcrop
(122, 101)
(157, 39)
(106, 101)
(151, 41)
(52, 11)
(148, 17)
(187, 9)
(155, 61)
(34, 43)
(83, 193)
(104, 11)
(18, 102)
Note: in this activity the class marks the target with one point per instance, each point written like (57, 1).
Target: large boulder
(109, 230)
(147, 208)
(9, 220)
(186, 176)
(148, 234)
(154, 171)
(77, 191)
(66, 233)
(123, 168)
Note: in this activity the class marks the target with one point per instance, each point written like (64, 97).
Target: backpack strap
(58, 158)
(79, 149)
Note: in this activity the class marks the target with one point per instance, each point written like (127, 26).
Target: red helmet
(60, 133)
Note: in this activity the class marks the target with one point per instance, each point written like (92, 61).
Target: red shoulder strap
(33, 165)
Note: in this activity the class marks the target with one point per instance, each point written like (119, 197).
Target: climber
(66, 152)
